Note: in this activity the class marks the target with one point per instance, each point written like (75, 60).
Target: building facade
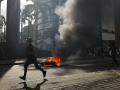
(44, 29)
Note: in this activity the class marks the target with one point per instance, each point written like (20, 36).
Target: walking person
(113, 53)
(31, 59)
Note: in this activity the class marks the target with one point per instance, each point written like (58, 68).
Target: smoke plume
(79, 24)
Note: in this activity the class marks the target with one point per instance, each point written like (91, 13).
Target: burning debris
(56, 59)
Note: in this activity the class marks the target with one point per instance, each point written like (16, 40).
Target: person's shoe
(22, 77)
(44, 73)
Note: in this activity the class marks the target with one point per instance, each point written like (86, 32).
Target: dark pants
(115, 60)
(31, 60)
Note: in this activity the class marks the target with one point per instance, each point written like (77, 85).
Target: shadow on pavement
(26, 87)
(5, 68)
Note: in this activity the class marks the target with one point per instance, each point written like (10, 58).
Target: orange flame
(56, 60)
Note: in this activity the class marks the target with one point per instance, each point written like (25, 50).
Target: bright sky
(4, 6)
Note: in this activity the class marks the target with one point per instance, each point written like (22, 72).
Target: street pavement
(90, 74)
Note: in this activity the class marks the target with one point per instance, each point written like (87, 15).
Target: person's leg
(115, 61)
(25, 70)
(39, 67)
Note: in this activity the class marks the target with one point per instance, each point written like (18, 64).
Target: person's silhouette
(113, 53)
(31, 59)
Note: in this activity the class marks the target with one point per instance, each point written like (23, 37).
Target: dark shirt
(30, 51)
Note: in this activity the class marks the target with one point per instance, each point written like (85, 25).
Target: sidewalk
(91, 81)
(108, 80)
(94, 74)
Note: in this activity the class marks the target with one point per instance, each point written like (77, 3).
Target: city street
(77, 42)
(79, 75)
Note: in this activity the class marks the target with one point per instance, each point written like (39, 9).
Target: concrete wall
(13, 20)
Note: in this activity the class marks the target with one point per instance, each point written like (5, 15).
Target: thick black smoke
(80, 26)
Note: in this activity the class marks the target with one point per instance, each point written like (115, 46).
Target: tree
(41, 16)
(28, 16)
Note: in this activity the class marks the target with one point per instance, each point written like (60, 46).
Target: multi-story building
(43, 31)
(48, 23)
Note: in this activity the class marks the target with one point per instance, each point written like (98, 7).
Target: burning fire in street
(56, 59)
